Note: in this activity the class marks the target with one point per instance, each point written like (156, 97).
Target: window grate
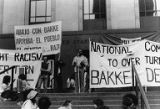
(40, 11)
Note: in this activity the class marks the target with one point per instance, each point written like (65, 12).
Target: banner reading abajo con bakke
(46, 37)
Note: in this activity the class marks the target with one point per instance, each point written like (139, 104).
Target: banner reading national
(110, 65)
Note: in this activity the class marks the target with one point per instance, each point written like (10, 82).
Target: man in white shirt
(80, 63)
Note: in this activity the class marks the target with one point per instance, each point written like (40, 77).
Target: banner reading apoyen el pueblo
(110, 65)
(25, 62)
(46, 37)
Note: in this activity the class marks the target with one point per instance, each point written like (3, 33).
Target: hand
(82, 64)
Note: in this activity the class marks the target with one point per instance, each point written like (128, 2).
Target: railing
(12, 75)
(138, 88)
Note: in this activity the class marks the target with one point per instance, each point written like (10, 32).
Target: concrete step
(84, 100)
(79, 107)
(87, 94)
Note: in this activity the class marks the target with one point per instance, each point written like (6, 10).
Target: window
(149, 7)
(40, 11)
(94, 14)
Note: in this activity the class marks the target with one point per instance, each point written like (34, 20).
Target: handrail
(7, 70)
(144, 97)
(12, 80)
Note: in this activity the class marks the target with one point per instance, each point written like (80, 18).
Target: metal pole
(12, 78)
(78, 80)
(133, 85)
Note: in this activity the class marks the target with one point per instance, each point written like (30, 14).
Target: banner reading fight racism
(110, 65)
(46, 37)
(25, 62)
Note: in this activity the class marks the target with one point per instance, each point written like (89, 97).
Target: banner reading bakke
(110, 65)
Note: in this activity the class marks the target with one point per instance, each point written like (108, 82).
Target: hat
(32, 94)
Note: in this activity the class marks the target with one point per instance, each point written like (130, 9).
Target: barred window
(149, 7)
(94, 9)
(94, 14)
(40, 11)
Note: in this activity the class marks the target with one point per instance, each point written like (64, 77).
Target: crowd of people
(33, 100)
(29, 98)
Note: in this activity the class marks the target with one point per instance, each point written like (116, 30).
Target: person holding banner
(80, 63)
(99, 104)
(45, 73)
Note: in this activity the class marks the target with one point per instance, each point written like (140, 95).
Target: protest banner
(130, 40)
(46, 37)
(28, 63)
(110, 65)
(152, 63)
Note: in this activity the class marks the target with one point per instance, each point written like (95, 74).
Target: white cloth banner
(130, 40)
(25, 62)
(46, 37)
(110, 65)
(152, 63)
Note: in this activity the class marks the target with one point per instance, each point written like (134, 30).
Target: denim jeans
(43, 79)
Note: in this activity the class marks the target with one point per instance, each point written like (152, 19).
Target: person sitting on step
(66, 105)
(129, 101)
(99, 104)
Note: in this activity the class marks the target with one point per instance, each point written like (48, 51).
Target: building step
(84, 100)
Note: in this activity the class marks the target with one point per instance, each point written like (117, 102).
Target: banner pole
(89, 66)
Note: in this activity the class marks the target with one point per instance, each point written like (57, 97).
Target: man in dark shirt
(45, 72)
